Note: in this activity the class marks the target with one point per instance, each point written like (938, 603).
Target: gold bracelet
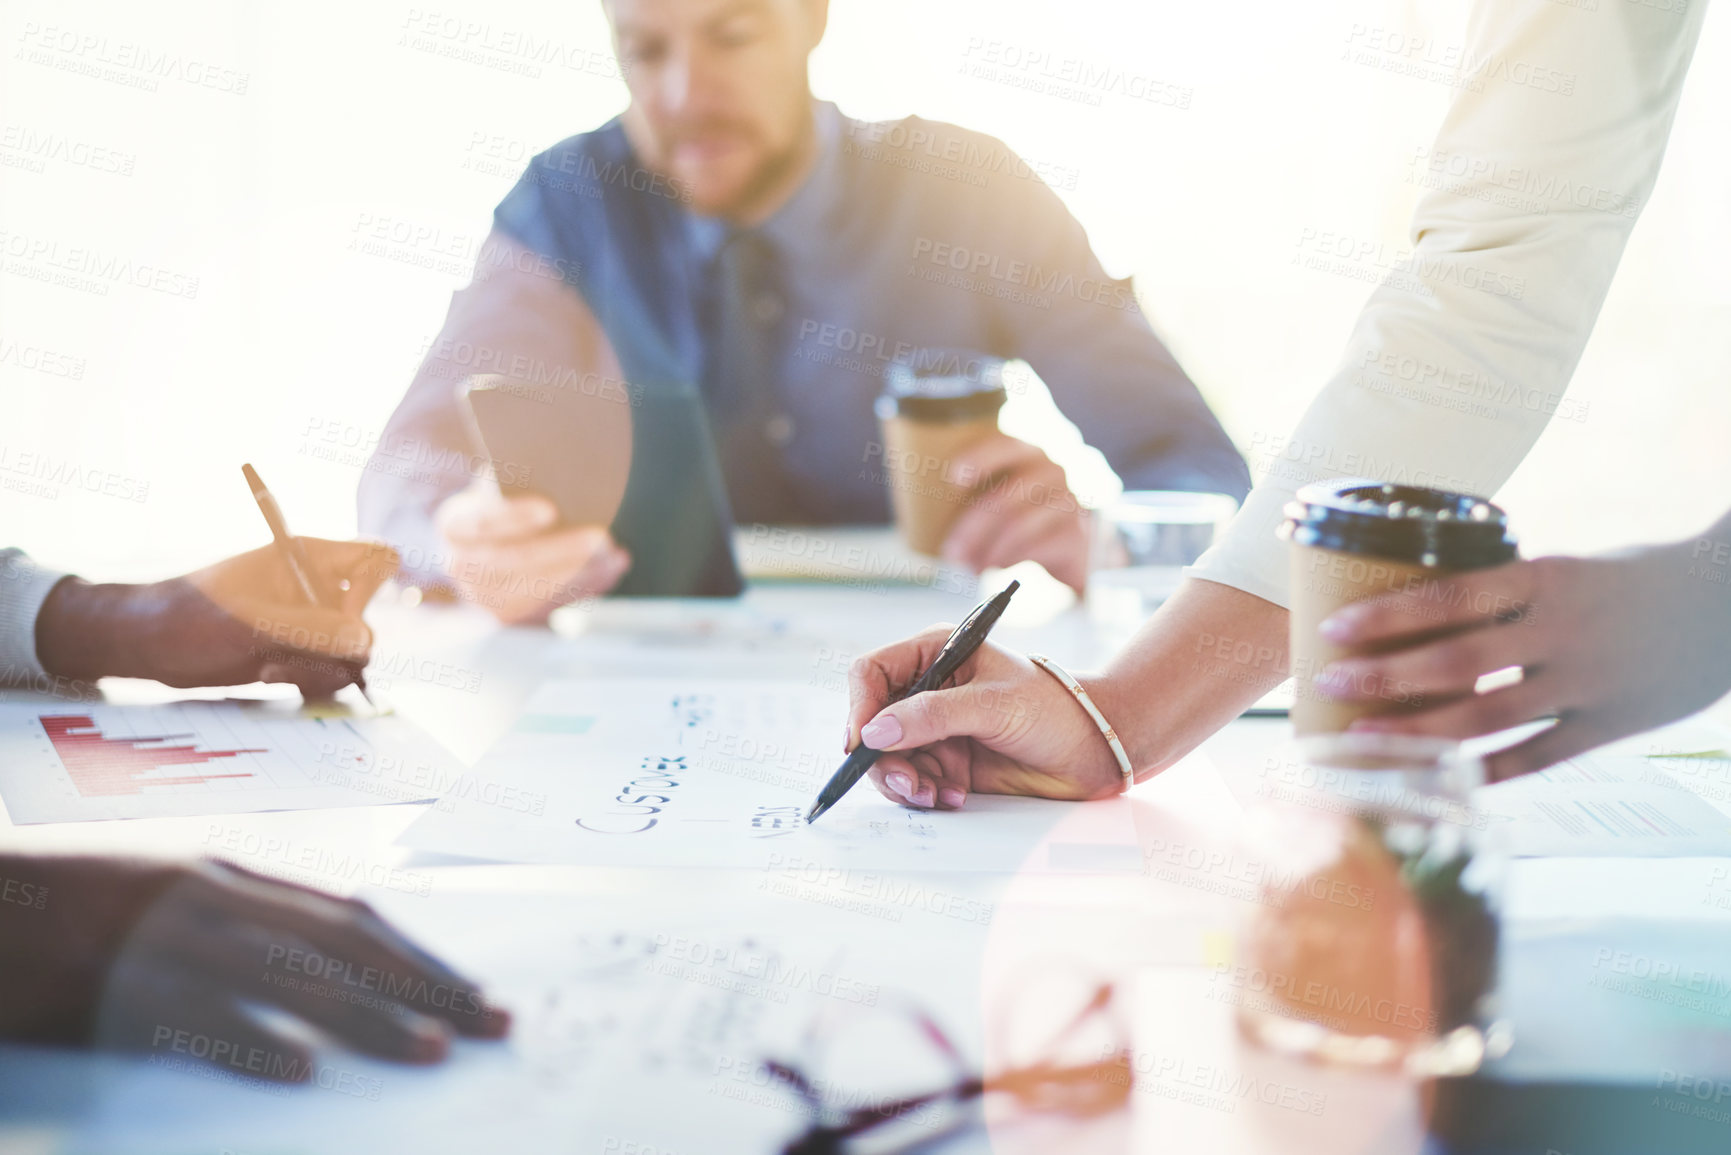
(1087, 703)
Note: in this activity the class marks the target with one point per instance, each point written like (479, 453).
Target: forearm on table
(1196, 664)
(87, 630)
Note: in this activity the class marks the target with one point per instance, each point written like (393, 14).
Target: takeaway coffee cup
(1355, 539)
(935, 405)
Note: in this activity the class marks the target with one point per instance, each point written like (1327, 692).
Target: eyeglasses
(1064, 1075)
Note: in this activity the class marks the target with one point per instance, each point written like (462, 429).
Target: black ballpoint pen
(294, 556)
(958, 648)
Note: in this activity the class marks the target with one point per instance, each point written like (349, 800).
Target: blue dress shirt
(907, 235)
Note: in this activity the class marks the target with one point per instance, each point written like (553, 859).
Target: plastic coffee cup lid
(1405, 523)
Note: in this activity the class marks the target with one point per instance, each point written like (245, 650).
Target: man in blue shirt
(730, 231)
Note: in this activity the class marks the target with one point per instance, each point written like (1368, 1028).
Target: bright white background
(347, 119)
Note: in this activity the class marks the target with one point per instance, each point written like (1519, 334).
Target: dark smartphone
(645, 467)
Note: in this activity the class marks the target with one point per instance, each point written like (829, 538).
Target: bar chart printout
(63, 763)
(100, 766)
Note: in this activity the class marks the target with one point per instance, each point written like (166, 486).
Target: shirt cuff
(24, 586)
(1250, 555)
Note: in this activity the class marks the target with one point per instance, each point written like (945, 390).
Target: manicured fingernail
(952, 797)
(1370, 726)
(495, 1022)
(901, 784)
(1336, 629)
(427, 1044)
(926, 795)
(881, 732)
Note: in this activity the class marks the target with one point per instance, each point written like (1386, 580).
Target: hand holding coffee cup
(1355, 539)
(962, 489)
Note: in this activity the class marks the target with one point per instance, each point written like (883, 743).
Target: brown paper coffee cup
(1354, 540)
(1323, 581)
(919, 467)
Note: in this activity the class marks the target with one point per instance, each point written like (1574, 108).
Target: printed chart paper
(664, 772)
(79, 762)
(1605, 805)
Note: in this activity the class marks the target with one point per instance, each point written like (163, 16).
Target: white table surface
(1156, 939)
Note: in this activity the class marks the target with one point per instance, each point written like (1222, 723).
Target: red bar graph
(102, 767)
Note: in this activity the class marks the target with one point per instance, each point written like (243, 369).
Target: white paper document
(1605, 805)
(636, 1029)
(62, 762)
(665, 772)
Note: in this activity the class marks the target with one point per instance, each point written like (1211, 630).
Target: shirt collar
(797, 221)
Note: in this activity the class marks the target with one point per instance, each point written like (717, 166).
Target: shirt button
(766, 308)
(779, 429)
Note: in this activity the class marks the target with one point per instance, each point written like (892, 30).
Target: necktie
(747, 309)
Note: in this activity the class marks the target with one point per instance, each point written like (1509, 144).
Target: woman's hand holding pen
(1008, 727)
(241, 620)
(1003, 726)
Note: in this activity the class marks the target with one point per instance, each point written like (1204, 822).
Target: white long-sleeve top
(24, 586)
(1463, 353)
